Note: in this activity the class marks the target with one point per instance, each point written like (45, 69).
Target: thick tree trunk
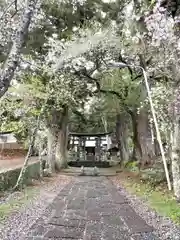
(176, 158)
(9, 67)
(62, 141)
(57, 124)
(61, 149)
(122, 136)
(136, 155)
(152, 139)
(157, 151)
(51, 149)
(143, 147)
(40, 160)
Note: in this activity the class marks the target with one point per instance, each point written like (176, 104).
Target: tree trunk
(136, 155)
(61, 149)
(176, 158)
(143, 147)
(157, 151)
(40, 160)
(62, 141)
(51, 156)
(122, 136)
(12, 61)
(57, 124)
(152, 139)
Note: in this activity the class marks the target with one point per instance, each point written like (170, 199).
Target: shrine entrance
(90, 153)
(89, 149)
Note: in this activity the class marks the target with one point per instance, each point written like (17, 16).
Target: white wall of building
(9, 138)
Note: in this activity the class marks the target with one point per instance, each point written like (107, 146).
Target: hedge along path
(8, 177)
(10, 164)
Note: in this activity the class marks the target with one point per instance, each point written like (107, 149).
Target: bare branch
(15, 5)
(5, 11)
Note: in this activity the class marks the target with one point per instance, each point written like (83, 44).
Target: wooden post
(78, 149)
(98, 148)
(84, 147)
(100, 152)
(72, 146)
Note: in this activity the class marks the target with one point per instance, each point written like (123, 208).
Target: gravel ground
(165, 229)
(19, 223)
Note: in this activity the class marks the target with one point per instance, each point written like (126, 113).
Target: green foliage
(153, 176)
(62, 19)
(90, 118)
(123, 90)
(57, 22)
(19, 117)
(67, 59)
(132, 166)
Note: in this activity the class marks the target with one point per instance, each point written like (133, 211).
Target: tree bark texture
(62, 141)
(57, 124)
(51, 149)
(40, 160)
(122, 136)
(143, 147)
(176, 157)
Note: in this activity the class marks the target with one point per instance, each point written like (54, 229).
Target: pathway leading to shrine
(90, 208)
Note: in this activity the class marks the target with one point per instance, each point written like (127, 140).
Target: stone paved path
(90, 208)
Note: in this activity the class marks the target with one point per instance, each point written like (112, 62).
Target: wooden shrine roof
(89, 134)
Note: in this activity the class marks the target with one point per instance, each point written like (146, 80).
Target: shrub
(8, 179)
(132, 166)
(153, 176)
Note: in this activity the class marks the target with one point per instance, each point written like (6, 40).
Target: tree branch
(5, 10)
(79, 114)
(99, 90)
(9, 67)
(15, 5)
(120, 59)
(126, 108)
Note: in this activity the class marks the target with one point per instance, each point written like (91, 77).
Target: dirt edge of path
(164, 227)
(21, 219)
